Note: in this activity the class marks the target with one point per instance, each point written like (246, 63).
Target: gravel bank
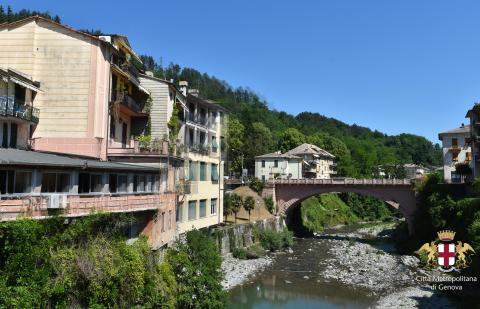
(356, 262)
(238, 271)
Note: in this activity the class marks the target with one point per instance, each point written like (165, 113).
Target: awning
(24, 84)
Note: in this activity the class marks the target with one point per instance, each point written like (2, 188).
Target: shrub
(273, 241)
(256, 185)
(197, 267)
(269, 204)
(240, 253)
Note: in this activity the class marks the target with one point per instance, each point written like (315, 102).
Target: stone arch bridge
(289, 193)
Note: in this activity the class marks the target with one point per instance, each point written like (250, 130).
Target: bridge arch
(288, 194)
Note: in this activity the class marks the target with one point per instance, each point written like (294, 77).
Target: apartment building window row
(213, 206)
(21, 181)
(15, 181)
(202, 173)
(202, 209)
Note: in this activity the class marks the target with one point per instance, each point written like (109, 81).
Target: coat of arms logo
(445, 254)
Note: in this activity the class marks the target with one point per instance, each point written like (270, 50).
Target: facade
(304, 161)
(457, 150)
(198, 142)
(278, 166)
(474, 116)
(415, 171)
(73, 69)
(317, 163)
(77, 99)
(202, 202)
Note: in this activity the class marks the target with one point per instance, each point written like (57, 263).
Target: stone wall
(242, 235)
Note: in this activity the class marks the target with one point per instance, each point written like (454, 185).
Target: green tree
(256, 185)
(290, 139)
(236, 204)
(235, 139)
(227, 206)
(249, 205)
(197, 267)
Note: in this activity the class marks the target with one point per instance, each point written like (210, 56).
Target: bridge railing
(341, 181)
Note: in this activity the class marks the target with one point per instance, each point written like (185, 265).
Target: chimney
(149, 73)
(183, 87)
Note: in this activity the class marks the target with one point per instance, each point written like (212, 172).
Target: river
(339, 269)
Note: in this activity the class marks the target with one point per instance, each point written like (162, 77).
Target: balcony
(37, 206)
(12, 107)
(135, 148)
(202, 120)
(127, 101)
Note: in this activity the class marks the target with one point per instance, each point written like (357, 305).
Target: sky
(397, 66)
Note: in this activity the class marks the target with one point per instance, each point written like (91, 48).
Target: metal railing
(128, 101)
(341, 181)
(13, 107)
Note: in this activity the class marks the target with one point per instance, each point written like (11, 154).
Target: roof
(19, 78)
(17, 157)
(475, 108)
(197, 99)
(463, 130)
(278, 154)
(36, 17)
(310, 149)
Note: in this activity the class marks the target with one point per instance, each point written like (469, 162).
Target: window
(84, 183)
(275, 163)
(13, 135)
(148, 183)
(203, 171)
(135, 183)
(455, 156)
(213, 206)
(263, 178)
(163, 221)
(23, 182)
(122, 183)
(96, 183)
(55, 182)
(214, 173)
(156, 185)
(203, 208)
(5, 136)
(7, 182)
(113, 183)
(192, 210)
(455, 142)
(214, 144)
(169, 219)
(263, 163)
(178, 212)
(141, 183)
(112, 127)
(191, 170)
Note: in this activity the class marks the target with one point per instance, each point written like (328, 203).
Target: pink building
(72, 114)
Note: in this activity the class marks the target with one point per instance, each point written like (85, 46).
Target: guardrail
(12, 107)
(340, 181)
(36, 206)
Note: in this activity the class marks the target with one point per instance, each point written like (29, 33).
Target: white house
(317, 163)
(278, 165)
(304, 161)
(456, 146)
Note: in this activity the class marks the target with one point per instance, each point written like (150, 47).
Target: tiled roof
(309, 149)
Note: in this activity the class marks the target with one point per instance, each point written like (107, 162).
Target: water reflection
(295, 281)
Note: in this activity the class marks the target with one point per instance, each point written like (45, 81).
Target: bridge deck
(342, 181)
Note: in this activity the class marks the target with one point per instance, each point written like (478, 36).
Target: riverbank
(360, 260)
(238, 271)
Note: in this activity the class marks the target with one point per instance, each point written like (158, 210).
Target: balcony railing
(13, 107)
(126, 100)
(202, 120)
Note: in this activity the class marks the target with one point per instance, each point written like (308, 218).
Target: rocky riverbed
(358, 260)
(238, 271)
